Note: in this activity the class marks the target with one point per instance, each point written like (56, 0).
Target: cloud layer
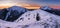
(41, 2)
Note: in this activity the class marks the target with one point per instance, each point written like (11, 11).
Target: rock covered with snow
(35, 19)
(46, 20)
(14, 11)
(51, 10)
(45, 8)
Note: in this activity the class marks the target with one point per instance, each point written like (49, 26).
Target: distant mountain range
(51, 10)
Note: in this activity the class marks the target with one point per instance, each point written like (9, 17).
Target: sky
(30, 3)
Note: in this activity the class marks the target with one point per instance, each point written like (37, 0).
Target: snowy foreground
(28, 20)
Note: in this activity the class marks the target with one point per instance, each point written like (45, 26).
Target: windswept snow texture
(46, 20)
(28, 20)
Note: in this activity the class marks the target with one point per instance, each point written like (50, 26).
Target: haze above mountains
(30, 6)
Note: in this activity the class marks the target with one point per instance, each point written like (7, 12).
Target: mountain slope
(14, 12)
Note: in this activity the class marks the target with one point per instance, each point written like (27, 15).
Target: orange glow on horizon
(23, 5)
(55, 7)
(1, 7)
(31, 7)
(28, 7)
